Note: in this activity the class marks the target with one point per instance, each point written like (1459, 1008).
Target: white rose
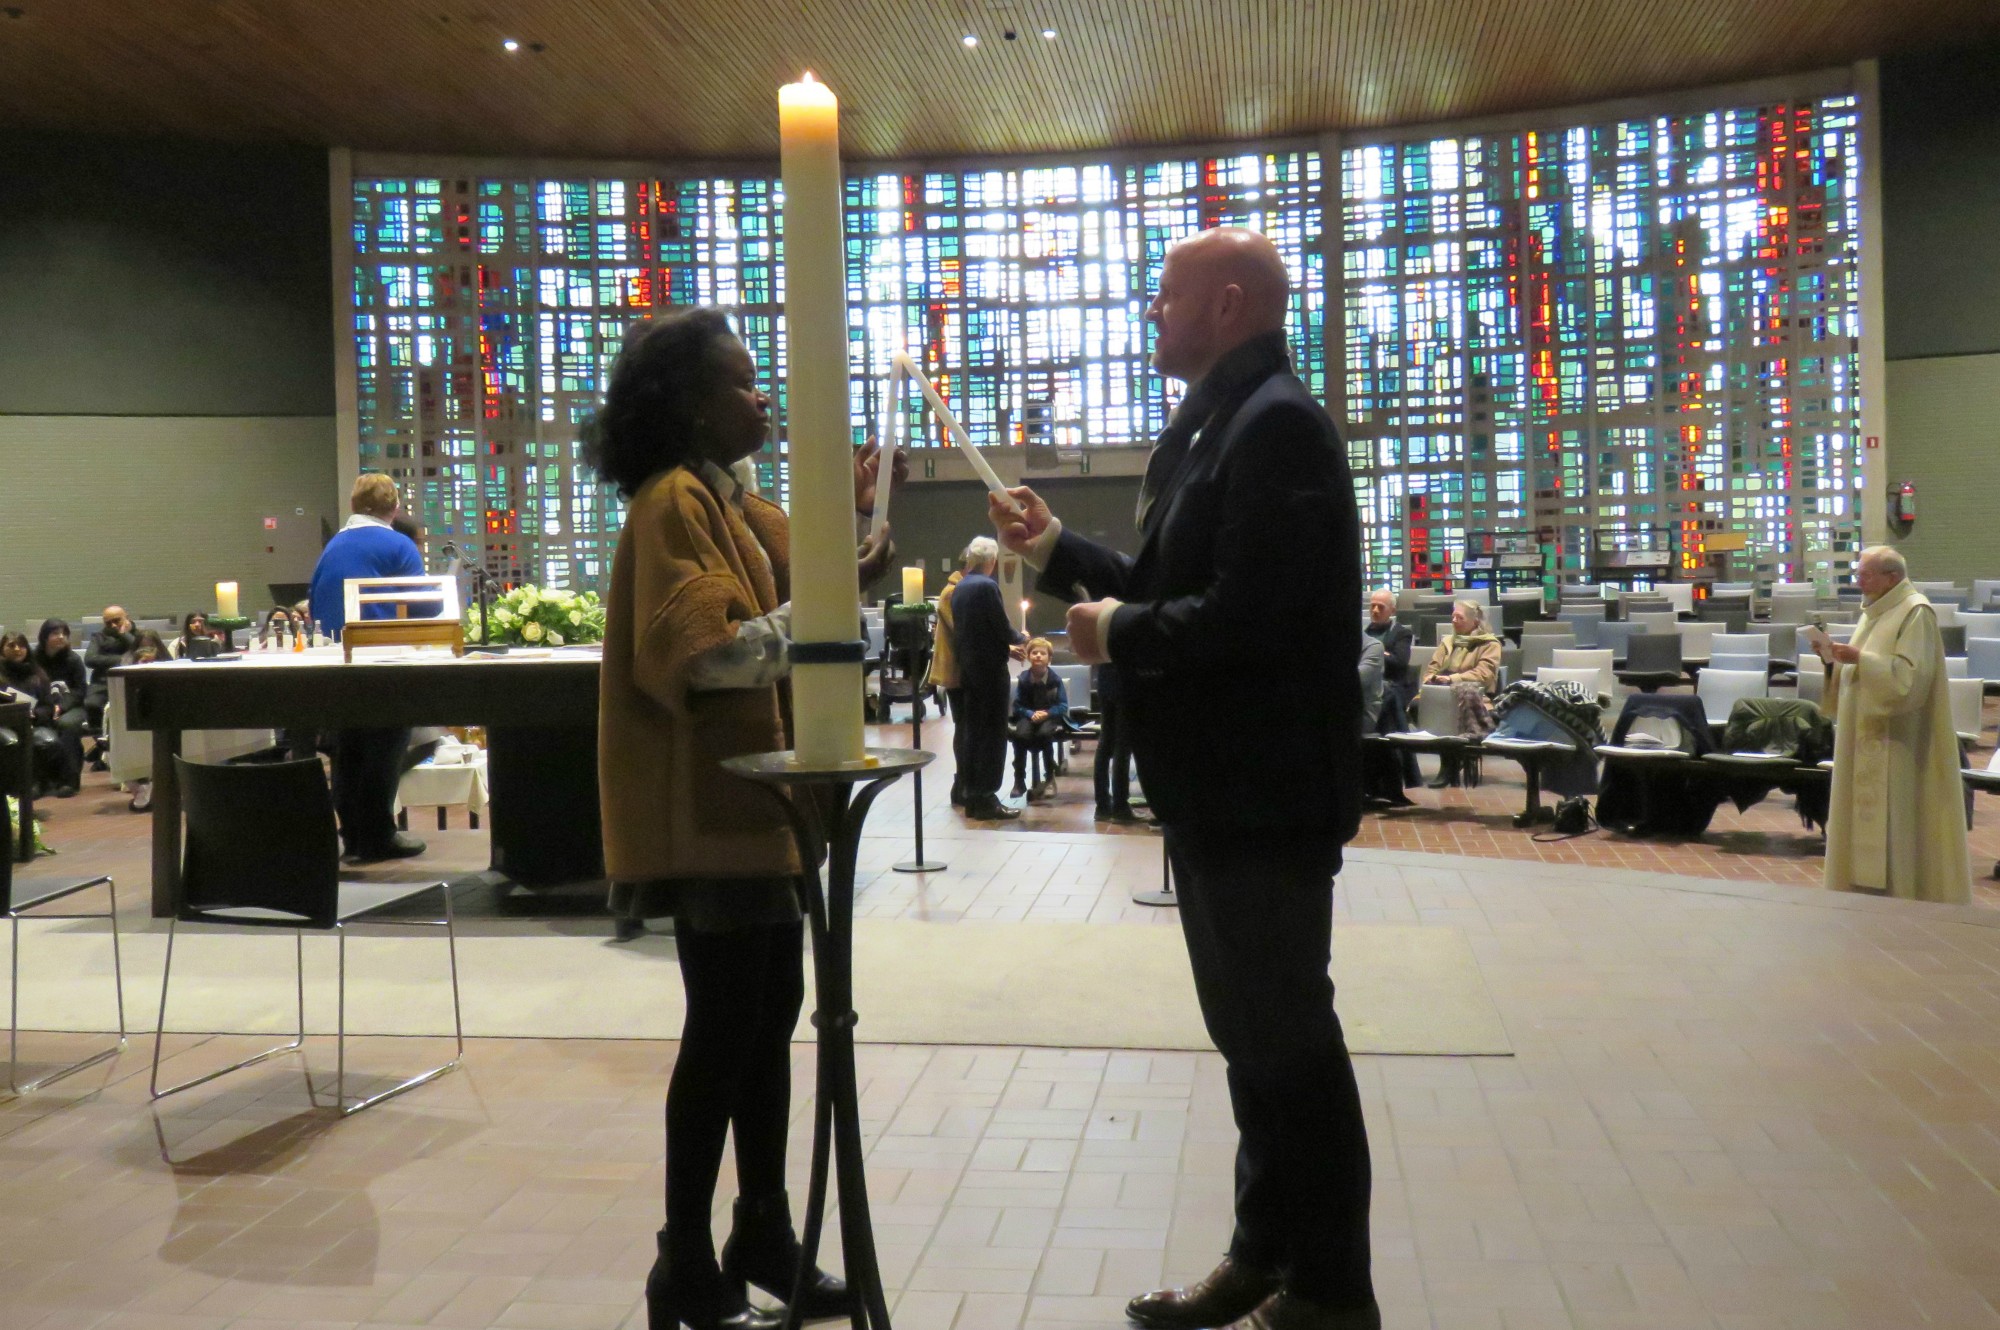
(533, 632)
(555, 638)
(576, 616)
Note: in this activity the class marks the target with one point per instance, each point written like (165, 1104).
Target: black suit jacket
(1237, 642)
(981, 632)
(1396, 671)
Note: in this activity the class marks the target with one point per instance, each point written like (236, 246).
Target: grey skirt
(709, 904)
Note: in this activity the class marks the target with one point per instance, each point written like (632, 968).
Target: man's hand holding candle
(1022, 522)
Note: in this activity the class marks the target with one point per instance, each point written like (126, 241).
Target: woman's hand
(867, 471)
(872, 559)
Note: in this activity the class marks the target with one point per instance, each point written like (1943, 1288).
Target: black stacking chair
(27, 901)
(263, 852)
(1652, 661)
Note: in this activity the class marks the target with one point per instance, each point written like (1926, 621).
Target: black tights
(744, 991)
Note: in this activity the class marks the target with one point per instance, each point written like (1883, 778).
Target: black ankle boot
(692, 1292)
(763, 1250)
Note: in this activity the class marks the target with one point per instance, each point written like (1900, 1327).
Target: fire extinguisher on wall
(1903, 507)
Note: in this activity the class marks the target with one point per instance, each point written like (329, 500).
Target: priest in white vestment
(1897, 820)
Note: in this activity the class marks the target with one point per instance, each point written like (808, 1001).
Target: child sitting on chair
(1041, 711)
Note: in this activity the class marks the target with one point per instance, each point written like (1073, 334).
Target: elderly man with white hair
(1896, 824)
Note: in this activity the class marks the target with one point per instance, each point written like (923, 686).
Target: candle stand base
(1165, 895)
(824, 802)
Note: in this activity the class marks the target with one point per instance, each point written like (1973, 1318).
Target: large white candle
(225, 600)
(826, 594)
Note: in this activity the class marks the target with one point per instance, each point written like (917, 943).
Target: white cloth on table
(431, 785)
(132, 750)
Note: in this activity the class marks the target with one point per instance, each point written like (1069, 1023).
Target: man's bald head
(1217, 290)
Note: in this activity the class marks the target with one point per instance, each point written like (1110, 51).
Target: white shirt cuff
(1043, 547)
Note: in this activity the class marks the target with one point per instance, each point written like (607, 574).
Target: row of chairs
(262, 851)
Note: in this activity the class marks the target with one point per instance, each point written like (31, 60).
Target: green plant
(535, 617)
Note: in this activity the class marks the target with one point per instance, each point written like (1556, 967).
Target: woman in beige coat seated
(697, 659)
(1468, 660)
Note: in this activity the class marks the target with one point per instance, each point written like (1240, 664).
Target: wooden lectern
(440, 630)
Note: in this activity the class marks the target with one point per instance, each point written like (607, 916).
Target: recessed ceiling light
(1048, 34)
(510, 45)
(969, 40)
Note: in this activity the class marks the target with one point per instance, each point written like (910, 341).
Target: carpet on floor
(1400, 988)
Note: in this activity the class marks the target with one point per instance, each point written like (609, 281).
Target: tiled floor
(1733, 1105)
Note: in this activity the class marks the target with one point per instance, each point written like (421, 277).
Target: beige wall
(152, 511)
(1944, 434)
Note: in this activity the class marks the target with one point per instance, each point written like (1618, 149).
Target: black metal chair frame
(331, 920)
(16, 910)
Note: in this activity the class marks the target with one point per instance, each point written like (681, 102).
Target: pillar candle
(913, 584)
(225, 600)
(826, 593)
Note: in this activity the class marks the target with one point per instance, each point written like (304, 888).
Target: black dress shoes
(1288, 1311)
(1230, 1292)
(398, 846)
(990, 809)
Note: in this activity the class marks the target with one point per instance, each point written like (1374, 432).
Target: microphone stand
(482, 586)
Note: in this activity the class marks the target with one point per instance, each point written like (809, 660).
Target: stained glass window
(487, 310)
(1618, 335)
(1629, 333)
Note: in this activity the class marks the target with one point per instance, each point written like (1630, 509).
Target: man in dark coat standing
(1249, 567)
(983, 640)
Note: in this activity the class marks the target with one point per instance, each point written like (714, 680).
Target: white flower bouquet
(536, 617)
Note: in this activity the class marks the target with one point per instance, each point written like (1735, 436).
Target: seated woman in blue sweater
(1041, 712)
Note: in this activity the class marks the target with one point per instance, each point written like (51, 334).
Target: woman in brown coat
(696, 652)
(1468, 659)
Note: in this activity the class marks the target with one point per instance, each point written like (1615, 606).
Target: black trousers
(1032, 736)
(1111, 777)
(734, 1070)
(1257, 912)
(955, 697)
(983, 723)
(367, 765)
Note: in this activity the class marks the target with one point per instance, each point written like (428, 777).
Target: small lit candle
(913, 584)
(225, 600)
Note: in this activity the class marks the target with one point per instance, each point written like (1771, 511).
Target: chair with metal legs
(20, 898)
(262, 851)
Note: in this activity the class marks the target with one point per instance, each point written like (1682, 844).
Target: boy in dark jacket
(1041, 711)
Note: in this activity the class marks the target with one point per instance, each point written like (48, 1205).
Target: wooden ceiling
(673, 79)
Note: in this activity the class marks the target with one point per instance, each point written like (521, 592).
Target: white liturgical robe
(1897, 818)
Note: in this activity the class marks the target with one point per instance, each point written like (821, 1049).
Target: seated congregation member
(147, 647)
(367, 760)
(983, 641)
(1041, 714)
(1382, 774)
(195, 638)
(57, 752)
(697, 658)
(277, 630)
(107, 649)
(1397, 639)
(68, 677)
(1468, 659)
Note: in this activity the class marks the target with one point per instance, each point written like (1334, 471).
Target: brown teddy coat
(687, 570)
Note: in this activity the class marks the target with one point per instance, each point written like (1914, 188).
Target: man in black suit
(983, 640)
(1249, 568)
(1397, 639)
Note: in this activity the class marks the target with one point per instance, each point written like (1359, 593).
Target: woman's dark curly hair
(664, 371)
